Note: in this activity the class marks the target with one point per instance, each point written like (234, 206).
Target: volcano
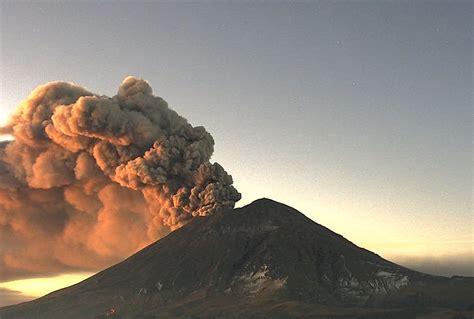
(264, 260)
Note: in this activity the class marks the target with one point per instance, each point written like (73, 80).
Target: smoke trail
(90, 179)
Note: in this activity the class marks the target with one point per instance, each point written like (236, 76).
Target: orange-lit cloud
(90, 179)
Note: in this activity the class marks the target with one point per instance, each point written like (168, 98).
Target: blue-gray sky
(359, 114)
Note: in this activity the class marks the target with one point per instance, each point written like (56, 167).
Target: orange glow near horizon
(37, 287)
(4, 117)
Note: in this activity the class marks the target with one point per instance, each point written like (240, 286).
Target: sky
(356, 113)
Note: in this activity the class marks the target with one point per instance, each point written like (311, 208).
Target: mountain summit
(264, 260)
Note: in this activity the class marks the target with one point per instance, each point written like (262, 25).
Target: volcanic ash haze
(90, 179)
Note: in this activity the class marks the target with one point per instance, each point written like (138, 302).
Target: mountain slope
(265, 258)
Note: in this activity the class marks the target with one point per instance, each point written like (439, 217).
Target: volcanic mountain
(265, 260)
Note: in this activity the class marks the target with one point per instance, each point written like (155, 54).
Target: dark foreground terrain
(265, 260)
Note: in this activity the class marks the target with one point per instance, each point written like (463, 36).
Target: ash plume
(90, 179)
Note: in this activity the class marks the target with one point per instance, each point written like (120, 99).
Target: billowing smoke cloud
(90, 179)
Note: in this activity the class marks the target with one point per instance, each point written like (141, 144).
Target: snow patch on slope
(258, 281)
(387, 281)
